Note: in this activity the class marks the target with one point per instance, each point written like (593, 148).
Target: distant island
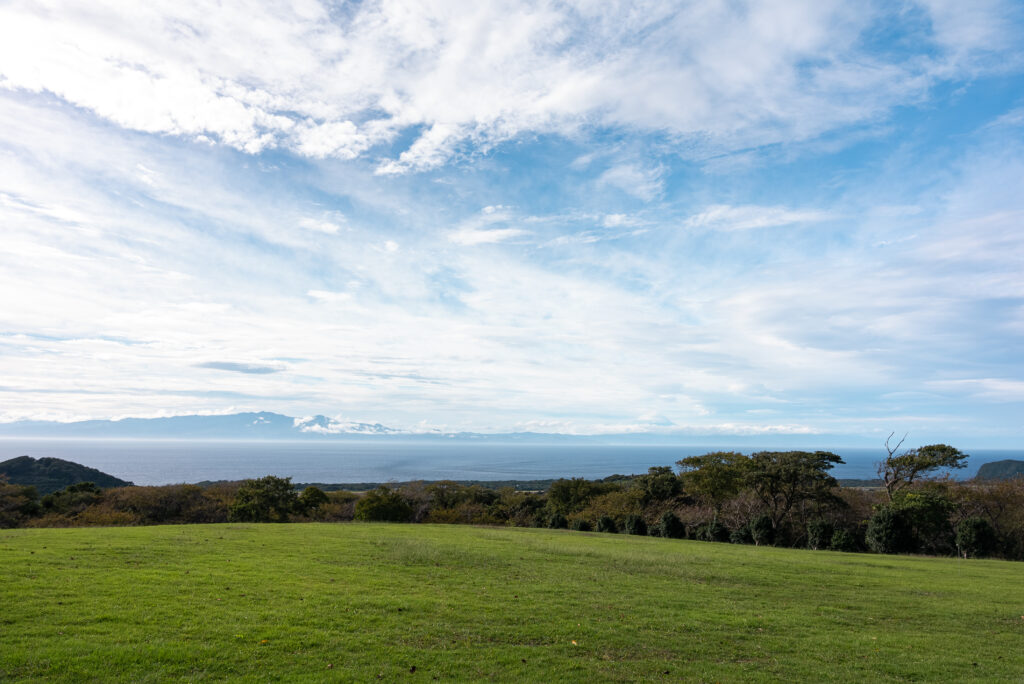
(1001, 470)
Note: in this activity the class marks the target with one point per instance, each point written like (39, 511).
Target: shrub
(713, 531)
(606, 523)
(267, 499)
(741, 535)
(671, 526)
(843, 540)
(558, 522)
(581, 525)
(761, 530)
(889, 531)
(383, 505)
(311, 499)
(635, 524)
(819, 534)
(975, 537)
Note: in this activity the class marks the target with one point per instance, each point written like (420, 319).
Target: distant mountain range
(265, 425)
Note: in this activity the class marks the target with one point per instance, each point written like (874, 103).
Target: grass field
(419, 602)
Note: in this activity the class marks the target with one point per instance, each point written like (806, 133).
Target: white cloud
(325, 83)
(478, 236)
(748, 217)
(640, 182)
(321, 226)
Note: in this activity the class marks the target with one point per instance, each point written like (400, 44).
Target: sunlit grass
(358, 601)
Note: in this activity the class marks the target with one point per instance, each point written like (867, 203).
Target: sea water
(150, 462)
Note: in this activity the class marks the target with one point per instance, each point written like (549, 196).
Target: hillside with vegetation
(1001, 470)
(369, 602)
(49, 475)
(785, 499)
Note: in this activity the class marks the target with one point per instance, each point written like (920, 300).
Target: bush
(712, 531)
(383, 505)
(671, 526)
(761, 530)
(581, 525)
(741, 535)
(975, 538)
(268, 499)
(889, 531)
(635, 524)
(819, 534)
(606, 523)
(558, 522)
(311, 499)
(843, 540)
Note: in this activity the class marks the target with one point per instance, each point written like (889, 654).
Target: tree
(659, 484)
(311, 499)
(569, 496)
(898, 471)
(671, 526)
(383, 505)
(975, 537)
(715, 477)
(635, 524)
(783, 479)
(267, 499)
(606, 523)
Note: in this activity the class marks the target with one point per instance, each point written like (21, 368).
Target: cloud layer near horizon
(572, 217)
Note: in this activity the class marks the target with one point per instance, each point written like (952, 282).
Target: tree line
(782, 498)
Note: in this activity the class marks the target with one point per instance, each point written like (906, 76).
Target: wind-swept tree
(899, 470)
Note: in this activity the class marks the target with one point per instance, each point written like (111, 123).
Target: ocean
(152, 462)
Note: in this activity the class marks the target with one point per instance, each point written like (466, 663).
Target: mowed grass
(361, 602)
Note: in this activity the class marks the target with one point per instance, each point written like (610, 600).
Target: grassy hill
(402, 602)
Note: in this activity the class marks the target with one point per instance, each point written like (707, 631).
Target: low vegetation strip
(358, 602)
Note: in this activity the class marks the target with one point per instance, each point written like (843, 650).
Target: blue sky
(590, 217)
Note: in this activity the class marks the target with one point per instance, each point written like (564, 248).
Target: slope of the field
(417, 602)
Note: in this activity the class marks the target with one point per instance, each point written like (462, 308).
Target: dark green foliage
(762, 531)
(783, 479)
(606, 523)
(72, 500)
(581, 525)
(383, 505)
(49, 475)
(928, 514)
(889, 531)
(635, 524)
(267, 499)
(17, 504)
(558, 522)
(311, 499)
(713, 531)
(659, 484)
(975, 537)
(843, 540)
(569, 496)
(819, 534)
(671, 526)
(741, 535)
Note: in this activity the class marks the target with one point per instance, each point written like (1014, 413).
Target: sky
(713, 217)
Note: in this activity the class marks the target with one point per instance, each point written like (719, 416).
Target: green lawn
(422, 602)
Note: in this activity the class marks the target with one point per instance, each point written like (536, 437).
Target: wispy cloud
(725, 217)
(248, 368)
